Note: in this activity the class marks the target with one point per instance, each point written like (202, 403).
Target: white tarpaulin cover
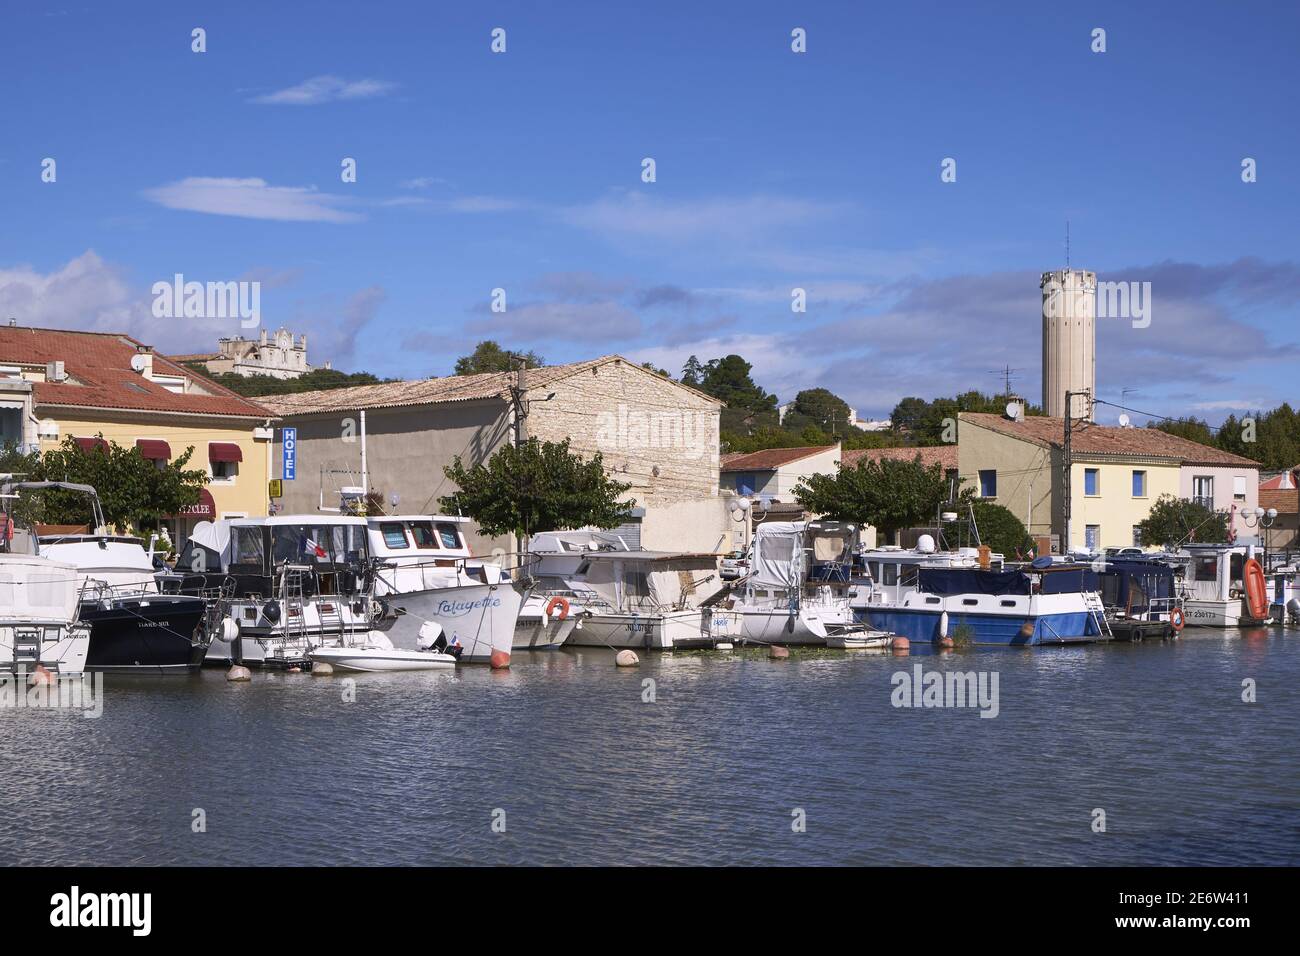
(778, 555)
(35, 589)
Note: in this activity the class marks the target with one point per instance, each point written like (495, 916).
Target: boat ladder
(295, 622)
(1097, 608)
(27, 646)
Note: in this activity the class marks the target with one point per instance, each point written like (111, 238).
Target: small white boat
(373, 658)
(853, 639)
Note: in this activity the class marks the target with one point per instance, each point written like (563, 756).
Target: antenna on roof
(1067, 245)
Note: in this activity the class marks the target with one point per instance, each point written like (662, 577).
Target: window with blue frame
(1139, 484)
(1091, 481)
(988, 484)
(746, 483)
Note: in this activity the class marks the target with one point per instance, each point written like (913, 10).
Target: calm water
(411, 772)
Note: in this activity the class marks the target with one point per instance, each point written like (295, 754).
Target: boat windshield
(318, 544)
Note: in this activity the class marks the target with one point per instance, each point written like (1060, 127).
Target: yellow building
(55, 384)
(1116, 474)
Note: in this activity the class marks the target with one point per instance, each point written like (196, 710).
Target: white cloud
(637, 214)
(326, 89)
(251, 199)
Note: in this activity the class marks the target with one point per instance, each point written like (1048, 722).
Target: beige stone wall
(640, 422)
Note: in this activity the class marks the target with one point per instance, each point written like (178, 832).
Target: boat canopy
(778, 555)
(1135, 584)
(950, 581)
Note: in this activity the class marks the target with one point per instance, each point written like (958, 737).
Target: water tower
(1069, 339)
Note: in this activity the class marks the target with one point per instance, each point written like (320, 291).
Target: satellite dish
(1013, 411)
(1124, 420)
(138, 363)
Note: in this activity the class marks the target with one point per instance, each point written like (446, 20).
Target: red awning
(206, 508)
(224, 451)
(90, 444)
(155, 449)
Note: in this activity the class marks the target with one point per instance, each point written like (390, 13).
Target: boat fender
(229, 631)
(271, 611)
(626, 658)
(500, 660)
(900, 645)
(1176, 620)
(558, 602)
(943, 624)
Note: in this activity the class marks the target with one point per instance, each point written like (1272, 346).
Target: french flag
(312, 548)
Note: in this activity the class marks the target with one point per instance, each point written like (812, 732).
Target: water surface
(713, 771)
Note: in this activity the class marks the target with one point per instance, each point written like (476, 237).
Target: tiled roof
(1089, 439)
(429, 391)
(769, 459)
(1281, 482)
(100, 364)
(1287, 501)
(945, 455)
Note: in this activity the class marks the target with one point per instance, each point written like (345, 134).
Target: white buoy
(239, 672)
(943, 624)
(723, 646)
(777, 653)
(321, 669)
(626, 658)
(41, 676)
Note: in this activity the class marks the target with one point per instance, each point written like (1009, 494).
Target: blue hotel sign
(289, 442)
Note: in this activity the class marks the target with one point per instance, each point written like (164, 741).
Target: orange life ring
(1176, 619)
(561, 603)
(1252, 576)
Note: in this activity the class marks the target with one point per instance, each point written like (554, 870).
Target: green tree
(488, 356)
(888, 493)
(1001, 530)
(135, 492)
(534, 487)
(318, 379)
(819, 407)
(1191, 428)
(1175, 521)
(693, 372)
(748, 405)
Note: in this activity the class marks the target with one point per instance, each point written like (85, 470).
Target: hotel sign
(289, 442)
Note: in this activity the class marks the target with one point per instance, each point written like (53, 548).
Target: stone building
(282, 355)
(657, 435)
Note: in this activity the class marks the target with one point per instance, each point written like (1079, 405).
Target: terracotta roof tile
(429, 391)
(99, 363)
(945, 455)
(769, 459)
(1088, 439)
(1286, 501)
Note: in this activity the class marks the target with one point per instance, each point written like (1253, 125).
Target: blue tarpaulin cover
(948, 581)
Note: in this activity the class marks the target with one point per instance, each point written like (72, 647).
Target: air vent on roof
(55, 372)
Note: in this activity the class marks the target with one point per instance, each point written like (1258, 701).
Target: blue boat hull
(922, 626)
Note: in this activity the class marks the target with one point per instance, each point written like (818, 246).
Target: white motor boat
(797, 588)
(39, 602)
(545, 622)
(854, 639)
(1216, 585)
(375, 657)
(629, 597)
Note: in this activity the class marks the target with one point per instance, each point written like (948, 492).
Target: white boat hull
(64, 655)
(480, 617)
(1207, 613)
(379, 659)
(694, 627)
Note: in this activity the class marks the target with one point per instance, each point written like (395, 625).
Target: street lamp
(1262, 519)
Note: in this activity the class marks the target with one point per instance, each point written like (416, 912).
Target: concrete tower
(1069, 339)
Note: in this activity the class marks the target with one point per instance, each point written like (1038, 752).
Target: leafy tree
(925, 422)
(890, 494)
(488, 356)
(1192, 428)
(316, 380)
(693, 372)
(534, 487)
(135, 492)
(1175, 521)
(820, 408)
(1001, 530)
(651, 367)
(748, 405)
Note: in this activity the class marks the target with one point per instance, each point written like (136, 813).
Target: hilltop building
(282, 355)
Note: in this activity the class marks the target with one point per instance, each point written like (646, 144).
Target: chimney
(142, 361)
(1015, 409)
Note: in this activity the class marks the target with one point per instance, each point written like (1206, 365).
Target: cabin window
(1207, 568)
(1139, 484)
(247, 546)
(908, 573)
(875, 570)
(1091, 481)
(1236, 565)
(1007, 603)
(449, 535)
(933, 600)
(394, 535)
(889, 574)
(989, 483)
(422, 532)
(970, 602)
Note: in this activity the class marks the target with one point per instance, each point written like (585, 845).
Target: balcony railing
(1204, 500)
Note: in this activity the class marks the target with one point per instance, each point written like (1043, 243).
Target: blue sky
(775, 170)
